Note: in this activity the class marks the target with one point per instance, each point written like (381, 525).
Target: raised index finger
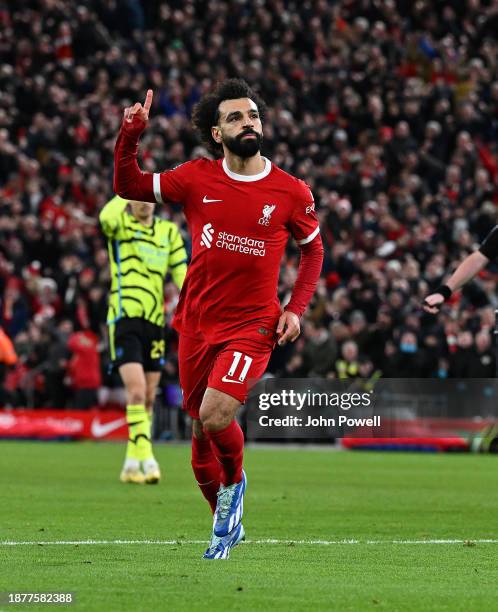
(148, 100)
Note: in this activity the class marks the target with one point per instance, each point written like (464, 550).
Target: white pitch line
(469, 541)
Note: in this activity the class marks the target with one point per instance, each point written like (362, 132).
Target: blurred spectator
(8, 358)
(57, 364)
(84, 369)
(410, 360)
(348, 365)
(319, 352)
(460, 360)
(483, 363)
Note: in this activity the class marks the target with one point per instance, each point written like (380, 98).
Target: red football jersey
(239, 226)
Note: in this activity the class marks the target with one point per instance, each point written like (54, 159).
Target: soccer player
(465, 272)
(241, 210)
(142, 249)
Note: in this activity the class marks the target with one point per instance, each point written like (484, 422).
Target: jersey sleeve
(111, 216)
(489, 246)
(303, 224)
(173, 185)
(132, 183)
(177, 258)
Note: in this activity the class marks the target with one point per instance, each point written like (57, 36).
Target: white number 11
(236, 359)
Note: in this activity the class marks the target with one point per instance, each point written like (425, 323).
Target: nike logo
(225, 379)
(100, 430)
(206, 200)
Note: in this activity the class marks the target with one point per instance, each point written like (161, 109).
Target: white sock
(131, 464)
(150, 464)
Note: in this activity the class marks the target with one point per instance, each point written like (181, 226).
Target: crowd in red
(389, 110)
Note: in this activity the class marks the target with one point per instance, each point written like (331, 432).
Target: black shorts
(136, 340)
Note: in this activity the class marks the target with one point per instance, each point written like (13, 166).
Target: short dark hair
(206, 114)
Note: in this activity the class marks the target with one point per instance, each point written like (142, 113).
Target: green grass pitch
(70, 493)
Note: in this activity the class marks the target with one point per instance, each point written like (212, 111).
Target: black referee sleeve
(489, 246)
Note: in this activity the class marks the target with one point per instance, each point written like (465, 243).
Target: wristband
(445, 291)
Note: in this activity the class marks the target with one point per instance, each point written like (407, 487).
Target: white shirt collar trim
(247, 178)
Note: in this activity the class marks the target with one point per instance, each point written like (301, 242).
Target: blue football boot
(229, 507)
(220, 548)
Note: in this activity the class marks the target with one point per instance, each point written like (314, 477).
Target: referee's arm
(469, 267)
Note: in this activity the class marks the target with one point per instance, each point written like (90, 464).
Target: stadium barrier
(51, 424)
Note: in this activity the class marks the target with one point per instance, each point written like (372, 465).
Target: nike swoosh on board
(99, 430)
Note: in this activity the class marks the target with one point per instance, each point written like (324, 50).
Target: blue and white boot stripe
(237, 517)
(221, 550)
(222, 525)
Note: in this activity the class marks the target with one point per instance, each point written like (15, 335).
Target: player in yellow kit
(143, 248)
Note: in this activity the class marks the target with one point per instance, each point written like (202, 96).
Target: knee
(214, 420)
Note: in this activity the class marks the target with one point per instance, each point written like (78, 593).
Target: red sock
(228, 447)
(206, 470)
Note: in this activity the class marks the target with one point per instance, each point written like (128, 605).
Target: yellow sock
(139, 431)
(131, 449)
(150, 418)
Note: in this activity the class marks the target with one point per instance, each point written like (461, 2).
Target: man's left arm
(305, 229)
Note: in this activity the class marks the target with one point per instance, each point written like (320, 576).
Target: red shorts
(233, 367)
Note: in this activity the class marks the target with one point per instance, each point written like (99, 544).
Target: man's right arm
(469, 267)
(129, 181)
(466, 271)
(110, 215)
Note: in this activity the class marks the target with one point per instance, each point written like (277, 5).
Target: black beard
(244, 148)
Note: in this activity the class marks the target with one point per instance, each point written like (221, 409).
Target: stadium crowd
(387, 108)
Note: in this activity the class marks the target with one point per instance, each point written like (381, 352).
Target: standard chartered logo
(232, 242)
(207, 235)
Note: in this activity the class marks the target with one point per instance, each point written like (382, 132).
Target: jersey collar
(247, 178)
